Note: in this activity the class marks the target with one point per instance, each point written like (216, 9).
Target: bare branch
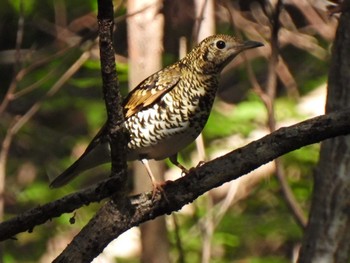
(184, 190)
(117, 216)
(268, 97)
(19, 39)
(111, 90)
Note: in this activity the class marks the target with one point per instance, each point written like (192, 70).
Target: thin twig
(128, 15)
(207, 230)
(9, 96)
(20, 122)
(18, 57)
(181, 258)
(7, 141)
(33, 86)
(55, 88)
(268, 98)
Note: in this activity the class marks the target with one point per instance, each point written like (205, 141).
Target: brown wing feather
(151, 89)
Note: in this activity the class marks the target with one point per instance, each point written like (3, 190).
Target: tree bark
(204, 27)
(145, 46)
(118, 215)
(327, 237)
(205, 19)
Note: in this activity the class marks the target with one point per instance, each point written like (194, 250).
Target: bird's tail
(92, 157)
(69, 174)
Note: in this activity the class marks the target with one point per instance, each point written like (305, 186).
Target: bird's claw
(191, 170)
(184, 171)
(158, 188)
(200, 164)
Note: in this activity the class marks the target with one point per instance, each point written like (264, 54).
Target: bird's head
(215, 52)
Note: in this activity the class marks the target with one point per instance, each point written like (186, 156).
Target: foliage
(257, 229)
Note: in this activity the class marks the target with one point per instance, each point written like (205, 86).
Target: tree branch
(327, 236)
(117, 216)
(186, 189)
(268, 97)
(111, 92)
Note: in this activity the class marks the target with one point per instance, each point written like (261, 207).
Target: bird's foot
(158, 188)
(184, 171)
(193, 169)
(200, 164)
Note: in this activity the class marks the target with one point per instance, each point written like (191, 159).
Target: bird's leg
(155, 185)
(173, 160)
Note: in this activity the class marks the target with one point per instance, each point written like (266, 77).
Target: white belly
(166, 128)
(166, 147)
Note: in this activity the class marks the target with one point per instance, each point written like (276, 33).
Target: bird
(168, 110)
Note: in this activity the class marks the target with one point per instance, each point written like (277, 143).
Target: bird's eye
(220, 44)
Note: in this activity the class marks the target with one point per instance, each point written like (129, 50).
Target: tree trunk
(327, 237)
(145, 38)
(204, 27)
(205, 19)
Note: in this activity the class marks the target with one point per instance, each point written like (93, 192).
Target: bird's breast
(169, 125)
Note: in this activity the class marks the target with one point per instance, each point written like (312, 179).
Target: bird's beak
(250, 44)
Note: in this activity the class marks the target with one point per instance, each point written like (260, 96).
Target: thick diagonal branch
(117, 216)
(214, 173)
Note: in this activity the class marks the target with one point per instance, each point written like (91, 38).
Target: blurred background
(51, 106)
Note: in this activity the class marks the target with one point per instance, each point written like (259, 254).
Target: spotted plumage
(167, 110)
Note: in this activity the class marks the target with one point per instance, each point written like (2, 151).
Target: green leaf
(28, 5)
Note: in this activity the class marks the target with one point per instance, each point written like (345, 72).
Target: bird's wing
(144, 95)
(150, 90)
